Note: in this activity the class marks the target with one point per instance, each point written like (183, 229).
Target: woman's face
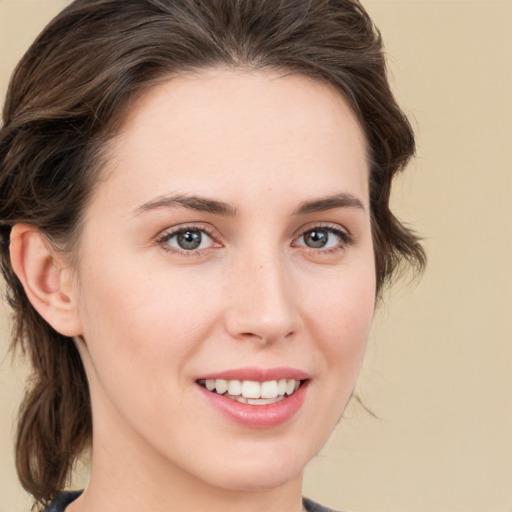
(229, 245)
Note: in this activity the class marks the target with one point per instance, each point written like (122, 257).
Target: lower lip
(258, 416)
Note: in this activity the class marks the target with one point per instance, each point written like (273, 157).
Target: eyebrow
(204, 204)
(342, 200)
(197, 203)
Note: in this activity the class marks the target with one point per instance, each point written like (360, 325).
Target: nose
(262, 305)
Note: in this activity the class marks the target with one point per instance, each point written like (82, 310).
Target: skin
(151, 318)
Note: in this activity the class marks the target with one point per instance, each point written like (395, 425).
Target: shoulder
(312, 506)
(62, 501)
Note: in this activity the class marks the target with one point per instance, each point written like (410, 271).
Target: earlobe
(47, 283)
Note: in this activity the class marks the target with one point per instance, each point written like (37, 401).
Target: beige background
(438, 372)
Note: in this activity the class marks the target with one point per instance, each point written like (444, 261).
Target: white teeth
(269, 389)
(263, 401)
(251, 389)
(253, 392)
(256, 401)
(234, 387)
(221, 386)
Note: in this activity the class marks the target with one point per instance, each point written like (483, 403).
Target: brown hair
(65, 101)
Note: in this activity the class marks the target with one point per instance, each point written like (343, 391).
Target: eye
(323, 237)
(188, 239)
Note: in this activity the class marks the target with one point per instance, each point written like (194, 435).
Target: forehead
(211, 128)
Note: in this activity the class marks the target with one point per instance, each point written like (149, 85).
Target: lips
(258, 398)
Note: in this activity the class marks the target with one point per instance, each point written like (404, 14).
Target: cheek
(144, 321)
(140, 333)
(343, 309)
(339, 319)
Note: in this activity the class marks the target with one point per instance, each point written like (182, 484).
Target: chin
(257, 481)
(256, 474)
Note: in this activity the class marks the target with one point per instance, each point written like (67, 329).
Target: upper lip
(257, 374)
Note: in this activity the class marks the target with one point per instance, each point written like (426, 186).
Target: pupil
(316, 239)
(189, 240)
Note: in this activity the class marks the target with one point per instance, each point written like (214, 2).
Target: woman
(195, 220)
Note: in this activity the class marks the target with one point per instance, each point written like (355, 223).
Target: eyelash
(346, 239)
(165, 237)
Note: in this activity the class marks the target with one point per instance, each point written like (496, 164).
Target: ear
(47, 281)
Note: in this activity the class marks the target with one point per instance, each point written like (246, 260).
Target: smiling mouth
(252, 392)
